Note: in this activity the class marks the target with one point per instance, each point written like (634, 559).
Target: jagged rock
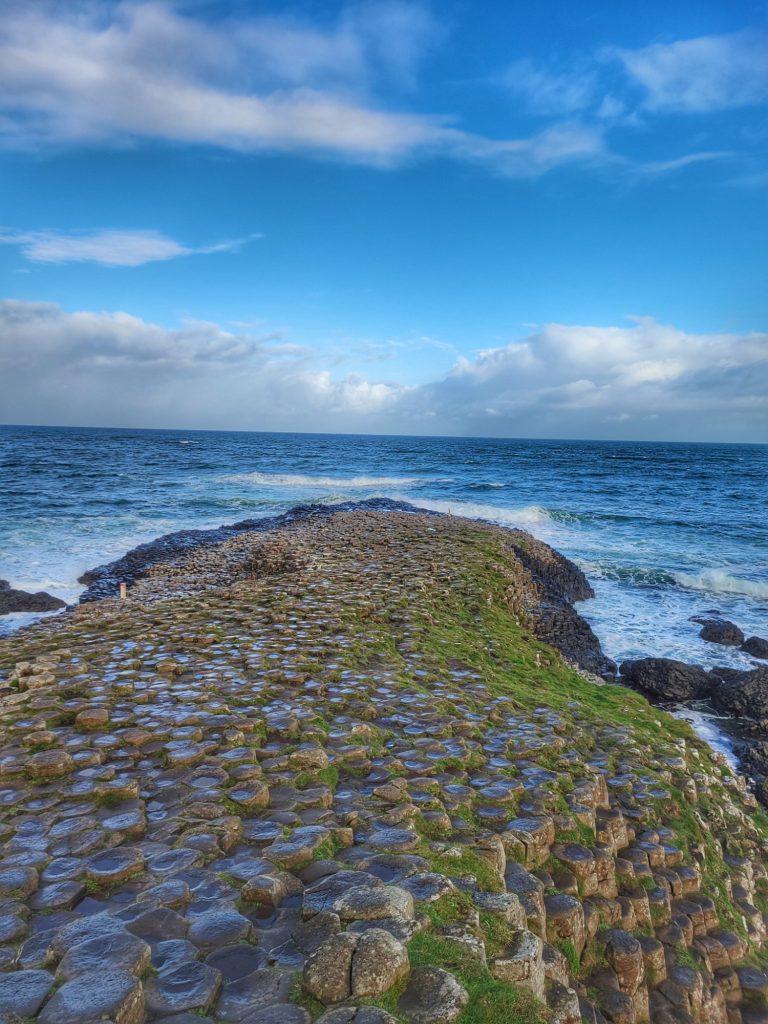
(666, 678)
(432, 996)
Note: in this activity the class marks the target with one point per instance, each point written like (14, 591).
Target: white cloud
(109, 248)
(567, 380)
(114, 73)
(700, 75)
(641, 380)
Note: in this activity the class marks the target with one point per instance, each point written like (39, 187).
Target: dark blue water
(664, 531)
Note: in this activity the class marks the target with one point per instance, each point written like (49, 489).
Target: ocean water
(663, 531)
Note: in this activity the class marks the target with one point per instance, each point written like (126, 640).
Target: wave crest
(718, 581)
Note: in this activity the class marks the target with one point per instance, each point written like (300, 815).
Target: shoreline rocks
(12, 600)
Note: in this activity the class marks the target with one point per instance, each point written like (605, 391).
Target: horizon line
(332, 433)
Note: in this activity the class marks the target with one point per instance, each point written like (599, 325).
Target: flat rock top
(325, 731)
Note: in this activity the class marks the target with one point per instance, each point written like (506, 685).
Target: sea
(664, 532)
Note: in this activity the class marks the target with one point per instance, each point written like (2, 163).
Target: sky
(494, 218)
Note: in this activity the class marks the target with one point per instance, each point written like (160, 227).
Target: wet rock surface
(328, 771)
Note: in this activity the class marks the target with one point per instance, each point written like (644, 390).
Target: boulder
(666, 678)
(432, 996)
(721, 631)
(756, 646)
(741, 693)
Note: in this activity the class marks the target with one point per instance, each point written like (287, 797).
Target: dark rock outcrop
(666, 678)
(744, 694)
(756, 646)
(721, 631)
(21, 601)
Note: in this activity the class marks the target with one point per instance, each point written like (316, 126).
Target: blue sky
(496, 218)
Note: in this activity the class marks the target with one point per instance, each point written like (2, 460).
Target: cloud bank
(644, 380)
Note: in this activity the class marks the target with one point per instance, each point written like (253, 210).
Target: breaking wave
(718, 581)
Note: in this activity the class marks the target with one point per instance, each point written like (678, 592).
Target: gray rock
(379, 962)
(22, 992)
(101, 995)
(327, 972)
(432, 996)
(372, 903)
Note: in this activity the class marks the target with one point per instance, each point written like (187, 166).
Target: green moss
(568, 950)
(490, 1001)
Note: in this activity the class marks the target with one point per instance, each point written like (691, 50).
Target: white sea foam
(718, 581)
(527, 517)
(300, 480)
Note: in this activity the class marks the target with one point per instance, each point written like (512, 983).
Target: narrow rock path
(329, 773)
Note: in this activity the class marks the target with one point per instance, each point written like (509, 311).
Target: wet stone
(157, 925)
(393, 840)
(285, 1013)
(219, 928)
(258, 989)
(75, 932)
(17, 881)
(122, 952)
(22, 992)
(100, 995)
(237, 961)
(116, 865)
(190, 986)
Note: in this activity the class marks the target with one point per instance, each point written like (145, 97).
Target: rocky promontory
(339, 770)
(12, 600)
